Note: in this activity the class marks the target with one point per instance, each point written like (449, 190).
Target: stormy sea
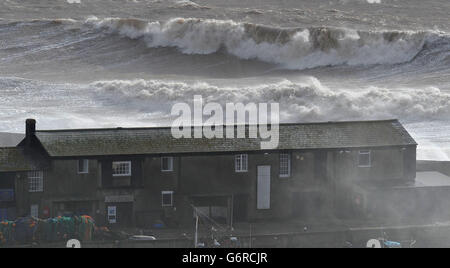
(111, 63)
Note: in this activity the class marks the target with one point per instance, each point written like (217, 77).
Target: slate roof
(10, 139)
(159, 140)
(14, 159)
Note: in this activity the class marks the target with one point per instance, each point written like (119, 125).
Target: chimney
(30, 129)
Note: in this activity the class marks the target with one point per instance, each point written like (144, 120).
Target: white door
(263, 187)
(34, 211)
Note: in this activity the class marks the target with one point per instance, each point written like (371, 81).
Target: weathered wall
(303, 194)
(387, 164)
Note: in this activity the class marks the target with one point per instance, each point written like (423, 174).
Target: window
(35, 181)
(285, 165)
(34, 211)
(121, 169)
(167, 164)
(364, 159)
(112, 214)
(241, 163)
(167, 198)
(83, 166)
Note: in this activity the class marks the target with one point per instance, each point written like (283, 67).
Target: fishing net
(30, 229)
(6, 232)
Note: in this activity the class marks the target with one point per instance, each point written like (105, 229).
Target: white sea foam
(300, 101)
(432, 151)
(292, 48)
(186, 4)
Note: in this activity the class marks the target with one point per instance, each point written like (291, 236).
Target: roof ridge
(158, 140)
(224, 125)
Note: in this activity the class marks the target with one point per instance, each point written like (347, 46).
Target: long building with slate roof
(144, 176)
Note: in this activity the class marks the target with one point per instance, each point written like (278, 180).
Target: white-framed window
(241, 163)
(35, 181)
(83, 166)
(121, 169)
(34, 211)
(285, 165)
(364, 158)
(167, 198)
(167, 163)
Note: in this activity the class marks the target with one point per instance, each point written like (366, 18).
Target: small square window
(364, 159)
(167, 164)
(167, 198)
(241, 163)
(121, 169)
(83, 166)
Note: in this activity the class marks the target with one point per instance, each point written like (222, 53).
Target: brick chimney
(30, 130)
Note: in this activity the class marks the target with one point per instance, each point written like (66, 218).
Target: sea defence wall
(439, 166)
(436, 235)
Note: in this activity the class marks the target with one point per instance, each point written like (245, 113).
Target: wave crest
(294, 48)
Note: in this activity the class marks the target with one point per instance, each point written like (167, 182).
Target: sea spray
(308, 100)
(293, 48)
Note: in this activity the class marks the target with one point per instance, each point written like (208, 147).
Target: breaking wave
(305, 101)
(186, 4)
(293, 48)
(289, 48)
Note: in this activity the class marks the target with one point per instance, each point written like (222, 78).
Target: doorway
(120, 214)
(263, 187)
